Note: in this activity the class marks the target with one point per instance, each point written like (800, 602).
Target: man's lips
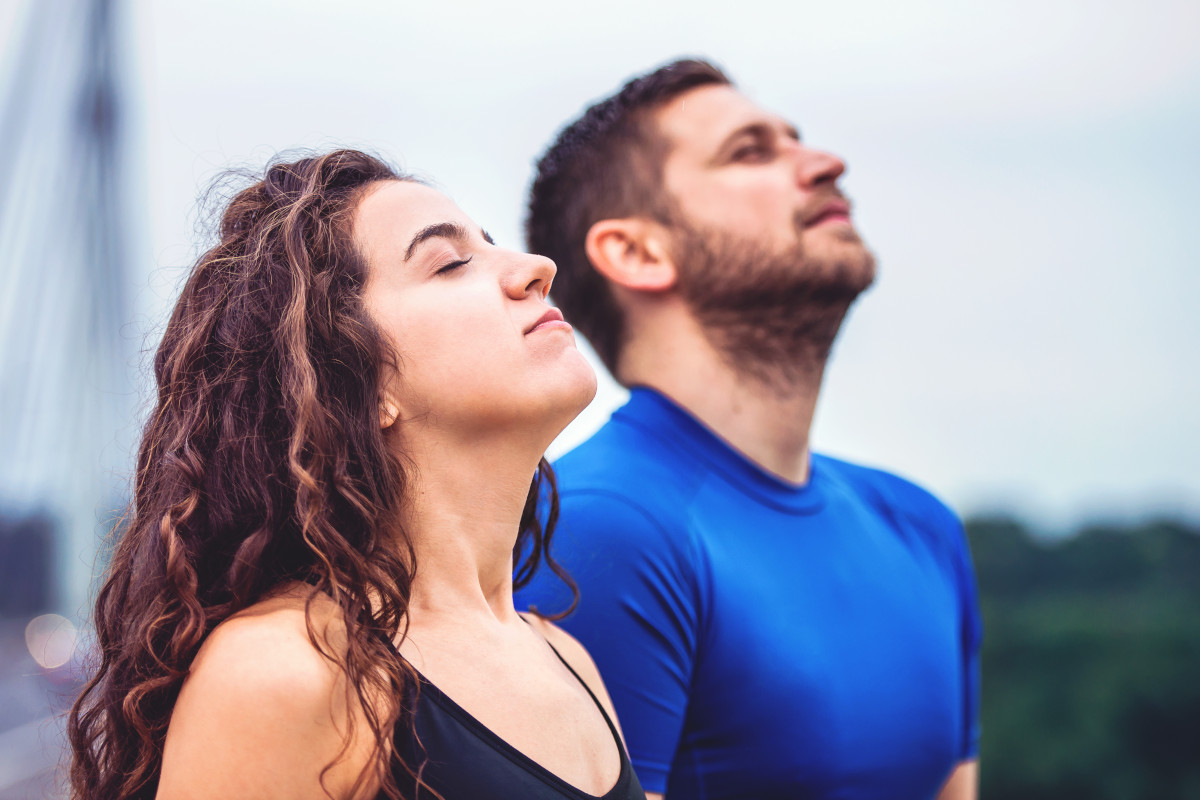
(833, 211)
(553, 318)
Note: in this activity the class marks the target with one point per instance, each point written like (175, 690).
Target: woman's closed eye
(453, 265)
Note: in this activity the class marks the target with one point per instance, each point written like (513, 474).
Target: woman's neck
(463, 512)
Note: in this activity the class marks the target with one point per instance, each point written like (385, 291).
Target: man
(770, 622)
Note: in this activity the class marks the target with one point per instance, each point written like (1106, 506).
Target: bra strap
(611, 726)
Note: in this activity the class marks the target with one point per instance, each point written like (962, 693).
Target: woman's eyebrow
(442, 230)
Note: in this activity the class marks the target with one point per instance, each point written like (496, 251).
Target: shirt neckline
(658, 415)
(501, 746)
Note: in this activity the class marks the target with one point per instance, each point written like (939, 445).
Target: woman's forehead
(393, 212)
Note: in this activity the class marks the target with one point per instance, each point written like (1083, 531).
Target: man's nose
(816, 167)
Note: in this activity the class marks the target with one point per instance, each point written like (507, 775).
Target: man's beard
(773, 315)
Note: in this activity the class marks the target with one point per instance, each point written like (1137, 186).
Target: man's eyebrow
(444, 230)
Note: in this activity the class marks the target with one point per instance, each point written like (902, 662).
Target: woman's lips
(552, 319)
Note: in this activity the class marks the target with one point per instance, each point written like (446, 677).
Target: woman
(313, 595)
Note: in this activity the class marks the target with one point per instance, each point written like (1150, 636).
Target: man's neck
(768, 423)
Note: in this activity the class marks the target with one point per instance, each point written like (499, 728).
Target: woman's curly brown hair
(263, 464)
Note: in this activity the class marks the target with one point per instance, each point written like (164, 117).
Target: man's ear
(632, 252)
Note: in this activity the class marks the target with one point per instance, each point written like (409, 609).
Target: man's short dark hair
(605, 165)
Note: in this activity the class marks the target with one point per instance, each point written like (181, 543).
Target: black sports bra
(467, 761)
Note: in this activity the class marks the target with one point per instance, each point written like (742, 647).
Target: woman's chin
(566, 400)
(584, 385)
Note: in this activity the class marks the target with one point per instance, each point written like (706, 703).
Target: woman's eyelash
(453, 265)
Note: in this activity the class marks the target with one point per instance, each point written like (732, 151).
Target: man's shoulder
(626, 487)
(907, 510)
(890, 492)
(622, 460)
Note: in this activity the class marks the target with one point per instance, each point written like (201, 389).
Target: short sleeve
(637, 616)
(972, 642)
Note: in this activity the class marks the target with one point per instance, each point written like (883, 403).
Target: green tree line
(1091, 661)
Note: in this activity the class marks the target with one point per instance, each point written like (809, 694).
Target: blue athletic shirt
(762, 640)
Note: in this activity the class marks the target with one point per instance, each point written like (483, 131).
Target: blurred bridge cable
(66, 389)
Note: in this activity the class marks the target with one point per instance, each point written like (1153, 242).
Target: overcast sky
(1025, 171)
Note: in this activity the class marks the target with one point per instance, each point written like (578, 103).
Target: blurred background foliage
(1091, 661)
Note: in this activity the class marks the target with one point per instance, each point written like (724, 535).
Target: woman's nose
(531, 274)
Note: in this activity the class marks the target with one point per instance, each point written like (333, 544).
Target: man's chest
(831, 651)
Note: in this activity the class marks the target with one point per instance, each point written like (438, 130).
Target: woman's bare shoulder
(269, 643)
(262, 710)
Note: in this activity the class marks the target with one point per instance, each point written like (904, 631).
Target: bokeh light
(51, 640)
